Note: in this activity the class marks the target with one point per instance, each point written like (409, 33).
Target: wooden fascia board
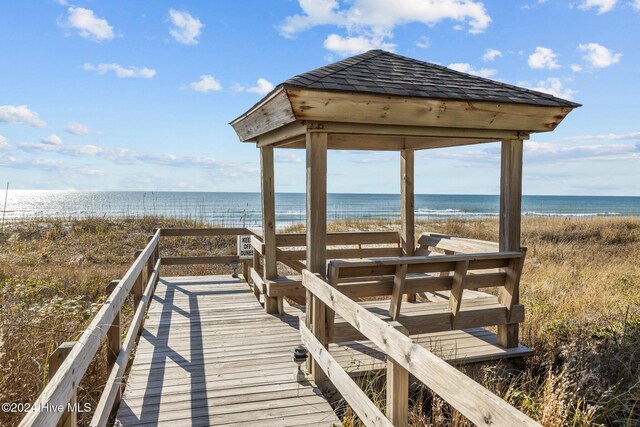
(354, 107)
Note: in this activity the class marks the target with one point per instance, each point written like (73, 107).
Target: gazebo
(383, 101)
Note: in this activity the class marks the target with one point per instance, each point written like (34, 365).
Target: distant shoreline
(244, 209)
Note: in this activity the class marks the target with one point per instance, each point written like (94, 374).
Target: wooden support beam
(317, 233)
(457, 289)
(397, 387)
(407, 207)
(113, 335)
(510, 217)
(69, 418)
(270, 266)
(399, 280)
(508, 296)
(138, 286)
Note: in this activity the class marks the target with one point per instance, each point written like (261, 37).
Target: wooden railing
(291, 251)
(62, 387)
(69, 363)
(404, 357)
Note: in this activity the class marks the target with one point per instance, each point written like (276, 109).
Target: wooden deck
(209, 355)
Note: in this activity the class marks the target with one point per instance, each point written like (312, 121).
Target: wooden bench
(398, 276)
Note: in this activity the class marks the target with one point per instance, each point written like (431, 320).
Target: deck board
(200, 359)
(209, 355)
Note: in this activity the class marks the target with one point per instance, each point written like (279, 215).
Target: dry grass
(581, 287)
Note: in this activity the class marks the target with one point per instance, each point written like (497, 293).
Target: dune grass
(580, 286)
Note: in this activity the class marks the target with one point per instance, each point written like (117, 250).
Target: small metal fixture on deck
(300, 355)
(234, 267)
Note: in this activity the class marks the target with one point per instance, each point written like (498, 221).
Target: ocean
(243, 209)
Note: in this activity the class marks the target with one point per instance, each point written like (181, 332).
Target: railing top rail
(478, 404)
(423, 259)
(184, 232)
(61, 387)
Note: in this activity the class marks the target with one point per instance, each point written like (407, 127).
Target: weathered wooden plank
(270, 267)
(112, 391)
(199, 364)
(318, 105)
(202, 232)
(456, 244)
(193, 260)
(366, 410)
(341, 238)
(62, 385)
(316, 243)
(510, 218)
(478, 404)
(271, 113)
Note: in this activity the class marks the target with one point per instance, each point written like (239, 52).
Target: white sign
(245, 250)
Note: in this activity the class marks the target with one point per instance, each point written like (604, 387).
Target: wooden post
(150, 262)
(245, 270)
(114, 340)
(138, 286)
(407, 207)
(317, 234)
(270, 264)
(510, 216)
(397, 388)
(69, 418)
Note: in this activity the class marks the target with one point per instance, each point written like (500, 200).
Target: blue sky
(122, 95)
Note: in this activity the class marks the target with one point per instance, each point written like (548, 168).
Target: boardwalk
(209, 355)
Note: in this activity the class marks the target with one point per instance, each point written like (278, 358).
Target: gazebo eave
(289, 112)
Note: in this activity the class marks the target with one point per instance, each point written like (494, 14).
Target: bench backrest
(405, 275)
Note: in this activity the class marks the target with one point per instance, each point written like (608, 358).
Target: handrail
(62, 386)
(478, 404)
(112, 389)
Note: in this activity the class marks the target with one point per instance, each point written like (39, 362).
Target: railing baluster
(114, 340)
(69, 418)
(138, 286)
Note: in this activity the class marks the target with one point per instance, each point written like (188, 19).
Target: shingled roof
(381, 72)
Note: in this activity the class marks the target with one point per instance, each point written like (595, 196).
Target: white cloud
(262, 87)
(353, 45)
(603, 6)
(88, 25)
(207, 83)
(120, 71)
(605, 137)
(576, 68)
(288, 157)
(52, 139)
(20, 114)
(599, 56)
(464, 67)
(543, 57)
(4, 145)
(424, 42)
(554, 151)
(80, 129)
(636, 4)
(68, 150)
(185, 28)
(552, 86)
(376, 20)
(491, 55)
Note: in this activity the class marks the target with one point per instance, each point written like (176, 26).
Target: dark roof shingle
(378, 71)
